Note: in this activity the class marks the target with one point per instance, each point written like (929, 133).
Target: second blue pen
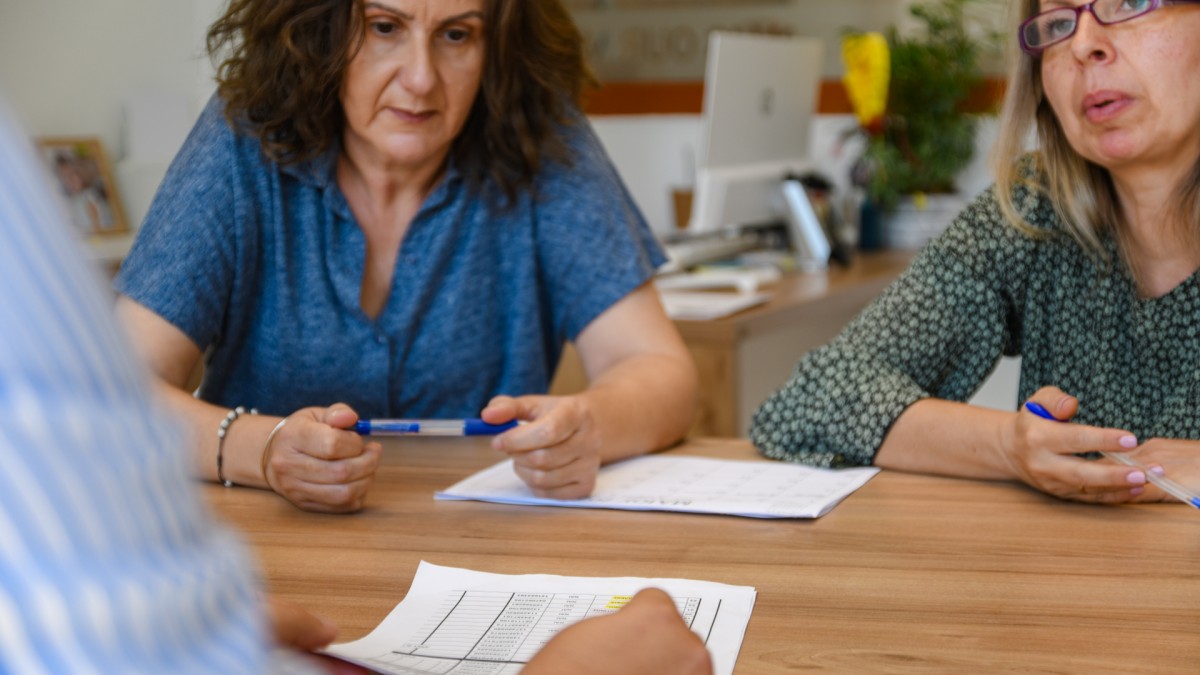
(467, 427)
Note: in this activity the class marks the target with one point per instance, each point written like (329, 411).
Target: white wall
(69, 67)
(654, 154)
(66, 65)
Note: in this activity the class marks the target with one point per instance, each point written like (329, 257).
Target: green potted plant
(925, 137)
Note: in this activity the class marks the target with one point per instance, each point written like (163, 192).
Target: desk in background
(909, 574)
(743, 358)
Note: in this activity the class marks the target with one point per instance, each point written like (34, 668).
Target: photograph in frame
(85, 178)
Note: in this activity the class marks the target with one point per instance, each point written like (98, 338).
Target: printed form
(463, 622)
(690, 484)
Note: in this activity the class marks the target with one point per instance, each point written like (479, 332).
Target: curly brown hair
(281, 65)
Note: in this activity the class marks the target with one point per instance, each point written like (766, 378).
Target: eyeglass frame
(1079, 10)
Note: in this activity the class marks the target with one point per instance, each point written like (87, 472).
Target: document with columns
(456, 620)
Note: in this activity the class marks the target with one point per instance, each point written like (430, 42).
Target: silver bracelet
(222, 430)
(266, 453)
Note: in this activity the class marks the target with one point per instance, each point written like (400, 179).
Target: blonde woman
(1082, 259)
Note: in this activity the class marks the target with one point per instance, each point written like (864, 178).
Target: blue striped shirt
(109, 561)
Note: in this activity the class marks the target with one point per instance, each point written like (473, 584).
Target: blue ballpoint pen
(1162, 482)
(468, 427)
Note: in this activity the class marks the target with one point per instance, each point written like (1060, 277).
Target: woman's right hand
(318, 464)
(1042, 453)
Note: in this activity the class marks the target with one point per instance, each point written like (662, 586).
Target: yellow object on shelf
(868, 70)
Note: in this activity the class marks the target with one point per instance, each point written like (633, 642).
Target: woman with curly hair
(393, 208)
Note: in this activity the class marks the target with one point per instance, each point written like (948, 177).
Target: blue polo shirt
(261, 266)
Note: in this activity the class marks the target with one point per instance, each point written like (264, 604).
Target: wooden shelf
(679, 98)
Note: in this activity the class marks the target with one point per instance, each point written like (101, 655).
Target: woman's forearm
(244, 439)
(644, 403)
(941, 437)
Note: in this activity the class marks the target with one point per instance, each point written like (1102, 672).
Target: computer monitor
(760, 92)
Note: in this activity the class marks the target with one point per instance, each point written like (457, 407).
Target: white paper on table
(705, 306)
(492, 624)
(689, 484)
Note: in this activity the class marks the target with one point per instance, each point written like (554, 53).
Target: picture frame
(84, 176)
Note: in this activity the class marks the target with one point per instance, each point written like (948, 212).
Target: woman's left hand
(1178, 459)
(557, 453)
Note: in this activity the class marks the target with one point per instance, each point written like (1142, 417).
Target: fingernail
(1128, 441)
(1157, 470)
(1136, 478)
(1136, 491)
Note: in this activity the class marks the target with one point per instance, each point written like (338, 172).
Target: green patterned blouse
(981, 290)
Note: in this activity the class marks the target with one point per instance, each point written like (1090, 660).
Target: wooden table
(743, 358)
(911, 574)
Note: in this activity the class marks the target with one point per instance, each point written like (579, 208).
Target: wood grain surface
(911, 574)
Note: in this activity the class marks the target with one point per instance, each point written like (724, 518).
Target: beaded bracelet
(222, 430)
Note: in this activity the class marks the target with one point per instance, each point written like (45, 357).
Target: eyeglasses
(1054, 26)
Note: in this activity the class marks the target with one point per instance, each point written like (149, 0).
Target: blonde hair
(1081, 192)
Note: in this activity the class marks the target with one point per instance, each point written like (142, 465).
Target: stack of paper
(692, 484)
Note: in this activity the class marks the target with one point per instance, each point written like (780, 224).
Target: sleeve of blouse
(938, 331)
(183, 263)
(594, 245)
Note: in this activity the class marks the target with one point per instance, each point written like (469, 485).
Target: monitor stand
(807, 235)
